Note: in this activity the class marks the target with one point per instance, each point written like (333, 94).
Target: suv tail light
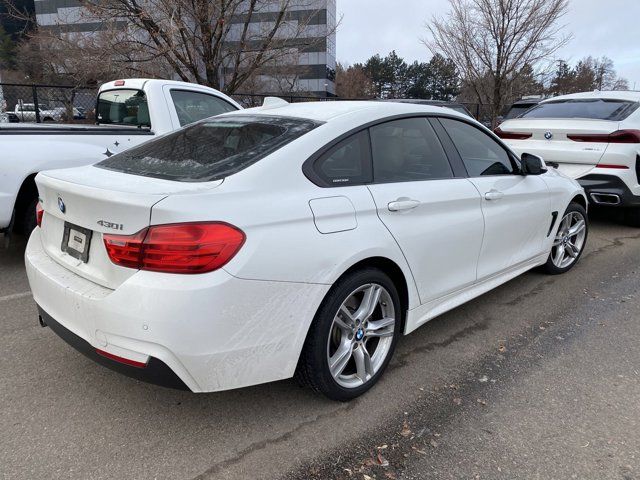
(621, 136)
(177, 248)
(39, 214)
(512, 135)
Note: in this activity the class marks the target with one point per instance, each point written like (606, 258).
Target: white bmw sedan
(593, 137)
(286, 240)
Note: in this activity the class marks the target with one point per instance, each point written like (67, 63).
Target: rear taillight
(39, 214)
(512, 135)
(621, 136)
(176, 248)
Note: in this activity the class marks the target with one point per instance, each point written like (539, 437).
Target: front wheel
(569, 241)
(353, 336)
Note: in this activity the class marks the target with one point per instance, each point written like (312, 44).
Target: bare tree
(212, 42)
(490, 41)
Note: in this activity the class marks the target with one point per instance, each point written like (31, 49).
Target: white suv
(593, 137)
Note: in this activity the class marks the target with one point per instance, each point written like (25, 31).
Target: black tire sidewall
(28, 221)
(549, 266)
(322, 326)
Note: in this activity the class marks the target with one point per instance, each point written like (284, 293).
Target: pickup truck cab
(128, 113)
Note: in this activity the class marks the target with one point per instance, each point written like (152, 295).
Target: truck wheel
(28, 220)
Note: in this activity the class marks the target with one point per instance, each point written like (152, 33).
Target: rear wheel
(569, 241)
(353, 336)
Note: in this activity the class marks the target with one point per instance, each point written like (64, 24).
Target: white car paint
(29, 149)
(578, 159)
(246, 322)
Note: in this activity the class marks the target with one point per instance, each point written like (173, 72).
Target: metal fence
(47, 103)
(68, 104)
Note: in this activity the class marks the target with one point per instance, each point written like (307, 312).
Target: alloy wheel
(361, 335)
(569, 240)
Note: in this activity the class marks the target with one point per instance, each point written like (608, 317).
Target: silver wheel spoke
(559, 255)
(380, 328)
(566, 223)
(362, 358)
(344, 320)
(577, 228)
(369, 302)
(340, 359)
(572, 250)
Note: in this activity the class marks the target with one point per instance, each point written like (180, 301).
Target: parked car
(593, 137)
(458, 107)
(26, 112)
(519, 107)
(129, 112)
(299, 239)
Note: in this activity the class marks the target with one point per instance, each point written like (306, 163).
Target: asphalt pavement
(539, 378)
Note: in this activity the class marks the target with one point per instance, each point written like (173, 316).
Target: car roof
(630, 95)
(325, 111)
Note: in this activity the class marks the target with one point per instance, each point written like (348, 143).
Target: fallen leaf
(390, 475)
(383, 462)
(366, 477)
(382, 447)
(502, 348)
(406, 431)
(481, 402)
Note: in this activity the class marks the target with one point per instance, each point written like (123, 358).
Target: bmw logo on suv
(61, 205)
(548, 135)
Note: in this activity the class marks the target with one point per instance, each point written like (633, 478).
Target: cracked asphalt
(539, 378)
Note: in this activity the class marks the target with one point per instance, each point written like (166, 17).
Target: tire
(632, 217)
(28, 220)
(572, 245)
(335, 335)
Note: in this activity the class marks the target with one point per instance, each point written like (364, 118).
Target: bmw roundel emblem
(548, 135)
(61, 205)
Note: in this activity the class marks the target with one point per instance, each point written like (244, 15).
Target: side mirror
(532, 164)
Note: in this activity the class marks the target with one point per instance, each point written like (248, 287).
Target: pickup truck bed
(130, 112)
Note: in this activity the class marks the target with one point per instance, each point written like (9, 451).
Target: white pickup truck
(128, 113)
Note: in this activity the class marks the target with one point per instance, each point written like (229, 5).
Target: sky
(599, 27)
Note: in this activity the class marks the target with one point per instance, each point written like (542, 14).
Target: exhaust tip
(605, 198)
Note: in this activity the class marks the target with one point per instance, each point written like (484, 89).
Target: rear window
(597, 109)
(517, 110)
(210, 150)
(123, 107)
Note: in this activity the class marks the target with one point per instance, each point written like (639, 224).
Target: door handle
(493, 195)
(403, 204)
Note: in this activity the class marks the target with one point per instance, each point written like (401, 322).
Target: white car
(593, 137)
(290, 239)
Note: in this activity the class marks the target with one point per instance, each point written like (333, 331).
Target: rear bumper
(208, 332)
(155, 371)
(608, 190)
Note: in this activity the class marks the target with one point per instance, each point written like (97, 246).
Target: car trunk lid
(83, 204)
(550, 139)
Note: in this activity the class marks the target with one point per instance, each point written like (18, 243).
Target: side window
(407, 150)
(481, 154)
(346, 163)
(194, 106)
